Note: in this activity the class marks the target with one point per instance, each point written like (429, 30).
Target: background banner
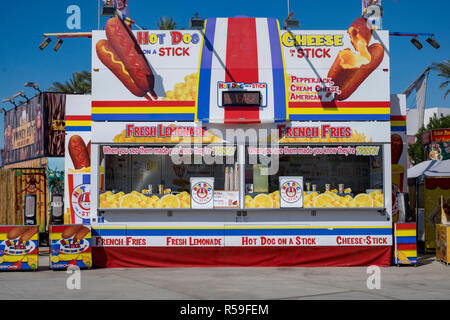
(24, 131)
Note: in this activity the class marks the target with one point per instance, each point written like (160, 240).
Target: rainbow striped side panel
(398, 123)
(143, 110)
(339, 111)
(78, 123)
(405, 238)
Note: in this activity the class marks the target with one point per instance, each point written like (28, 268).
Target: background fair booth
(242, 145)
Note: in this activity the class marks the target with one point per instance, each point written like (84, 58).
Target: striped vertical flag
(241, 50)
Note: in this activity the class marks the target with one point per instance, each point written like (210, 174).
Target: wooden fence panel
(7, 197)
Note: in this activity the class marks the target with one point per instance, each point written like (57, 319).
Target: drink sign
(291, 192)
(202, 193)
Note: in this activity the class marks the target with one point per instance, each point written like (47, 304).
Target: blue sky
(24, 22)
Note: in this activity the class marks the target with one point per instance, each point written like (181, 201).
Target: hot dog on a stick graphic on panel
(121, 54)
(350, 69)
(79, 153)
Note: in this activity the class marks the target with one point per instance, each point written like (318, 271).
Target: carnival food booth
(241, 145)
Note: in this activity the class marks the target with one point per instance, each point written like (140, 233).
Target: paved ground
(430, 280)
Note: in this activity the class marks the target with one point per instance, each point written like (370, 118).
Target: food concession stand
(246, 145)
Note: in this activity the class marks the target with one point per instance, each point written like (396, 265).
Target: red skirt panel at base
(332, 256)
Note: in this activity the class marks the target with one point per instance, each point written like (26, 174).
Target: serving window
(158, 176)
(332, 175)
(163, 176)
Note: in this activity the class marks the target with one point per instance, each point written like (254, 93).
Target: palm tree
(444, 71)
(166, 23)
(80, 83)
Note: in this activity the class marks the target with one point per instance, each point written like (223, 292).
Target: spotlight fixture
(21, 93)
(196, 23)
(15, 95)
(108, 10)
(291, 23)
(58, 44)
(10, 100)
(432, 42)
(44, 43)
(416, 43)
(33, 85)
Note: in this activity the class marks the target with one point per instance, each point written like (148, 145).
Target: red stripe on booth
(340, 104)
(241, 64)
(406, 246)
(405, 226)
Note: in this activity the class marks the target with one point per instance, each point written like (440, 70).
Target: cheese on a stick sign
(337, 75)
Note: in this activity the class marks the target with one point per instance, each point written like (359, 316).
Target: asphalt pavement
(429, 280)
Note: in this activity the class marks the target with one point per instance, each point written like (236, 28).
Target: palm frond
(444, 71)
(79, 83)
(166, 23)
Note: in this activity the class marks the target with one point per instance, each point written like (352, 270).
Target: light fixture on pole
(10, 100)
(291, 23)
(432, 42)
(415, 40)
(196, 23)
(416, 43)
(58, 44)
(33, 85)
(21, 93)
(45, 43)
(108, 10)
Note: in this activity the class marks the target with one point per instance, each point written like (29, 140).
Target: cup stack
(236, 177)
(227, 179)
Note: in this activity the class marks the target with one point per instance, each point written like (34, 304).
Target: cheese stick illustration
(350, 69)
(360, 35)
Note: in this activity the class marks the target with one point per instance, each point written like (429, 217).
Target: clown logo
(202, 192)
(81, 200)
(291, 191)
